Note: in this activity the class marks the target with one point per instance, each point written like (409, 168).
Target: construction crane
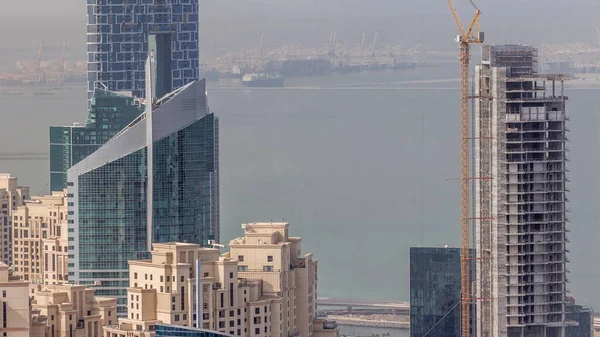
(63, 57)
(38, 61)
(332, 43)
(374, 46)
(262, 44)
(362, 47)
(472, 35)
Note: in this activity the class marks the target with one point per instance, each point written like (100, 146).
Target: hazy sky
(503, 21)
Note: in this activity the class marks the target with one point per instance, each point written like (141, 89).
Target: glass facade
(584, 317)
(117, 41)
(435, 292)
(183, 165)
(108, 192)
(109, 113)
(164, 330)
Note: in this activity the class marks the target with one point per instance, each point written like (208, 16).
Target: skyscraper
(584, 317)
(155, 181)
(117, 41)
(434, 292)
(108, 114)
(519, 174)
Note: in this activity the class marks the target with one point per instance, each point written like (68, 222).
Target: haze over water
(362, 173)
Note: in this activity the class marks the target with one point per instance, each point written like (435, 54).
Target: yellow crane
(473, 35)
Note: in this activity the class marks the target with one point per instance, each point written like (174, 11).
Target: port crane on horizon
(465, 38)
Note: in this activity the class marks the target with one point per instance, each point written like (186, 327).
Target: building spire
(149, 152)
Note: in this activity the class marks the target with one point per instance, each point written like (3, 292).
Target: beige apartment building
(11, 196)
(14, 305)
(40, 239)
(67, 310)
(263, 287)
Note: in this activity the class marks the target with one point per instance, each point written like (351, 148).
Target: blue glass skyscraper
(154, 181)
(117, 41)
(108, 114)
(435, 277)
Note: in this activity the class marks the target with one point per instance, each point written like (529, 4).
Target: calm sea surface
(361, 165)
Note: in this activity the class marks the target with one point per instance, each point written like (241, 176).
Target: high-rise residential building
(11, 196)
(55, 255)
(263, 287)
(520, 213)
(108, 114)
(40, 219)
(112, 190)
(15, 311)
(118, 37)
(434, 292)
(68, 310)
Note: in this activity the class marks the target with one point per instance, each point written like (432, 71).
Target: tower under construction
(519, 146)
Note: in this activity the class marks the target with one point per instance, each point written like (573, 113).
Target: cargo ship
(299, 68)
(263, 80)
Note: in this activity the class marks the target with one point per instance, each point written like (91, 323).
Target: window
(230, 275)
(3, 293)
(270, 258)
(231, 324)
(257, 331)
(161, 278)
(184, 317)
(242, 268)
(135, 276)
(168, 278)
(221, 325)
(267, 268)
(256, 320)
(257, 311)
(176, 317)
(205, 274)
(241, 258)
(239, 311)
(231, 313)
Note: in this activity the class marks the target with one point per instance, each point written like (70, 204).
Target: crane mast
(362, 47)
(465, 39)
(38, 61)
(63, 57)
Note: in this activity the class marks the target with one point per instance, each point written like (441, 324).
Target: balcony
(298, 264)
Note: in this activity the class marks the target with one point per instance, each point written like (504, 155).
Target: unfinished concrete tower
(519, 202)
